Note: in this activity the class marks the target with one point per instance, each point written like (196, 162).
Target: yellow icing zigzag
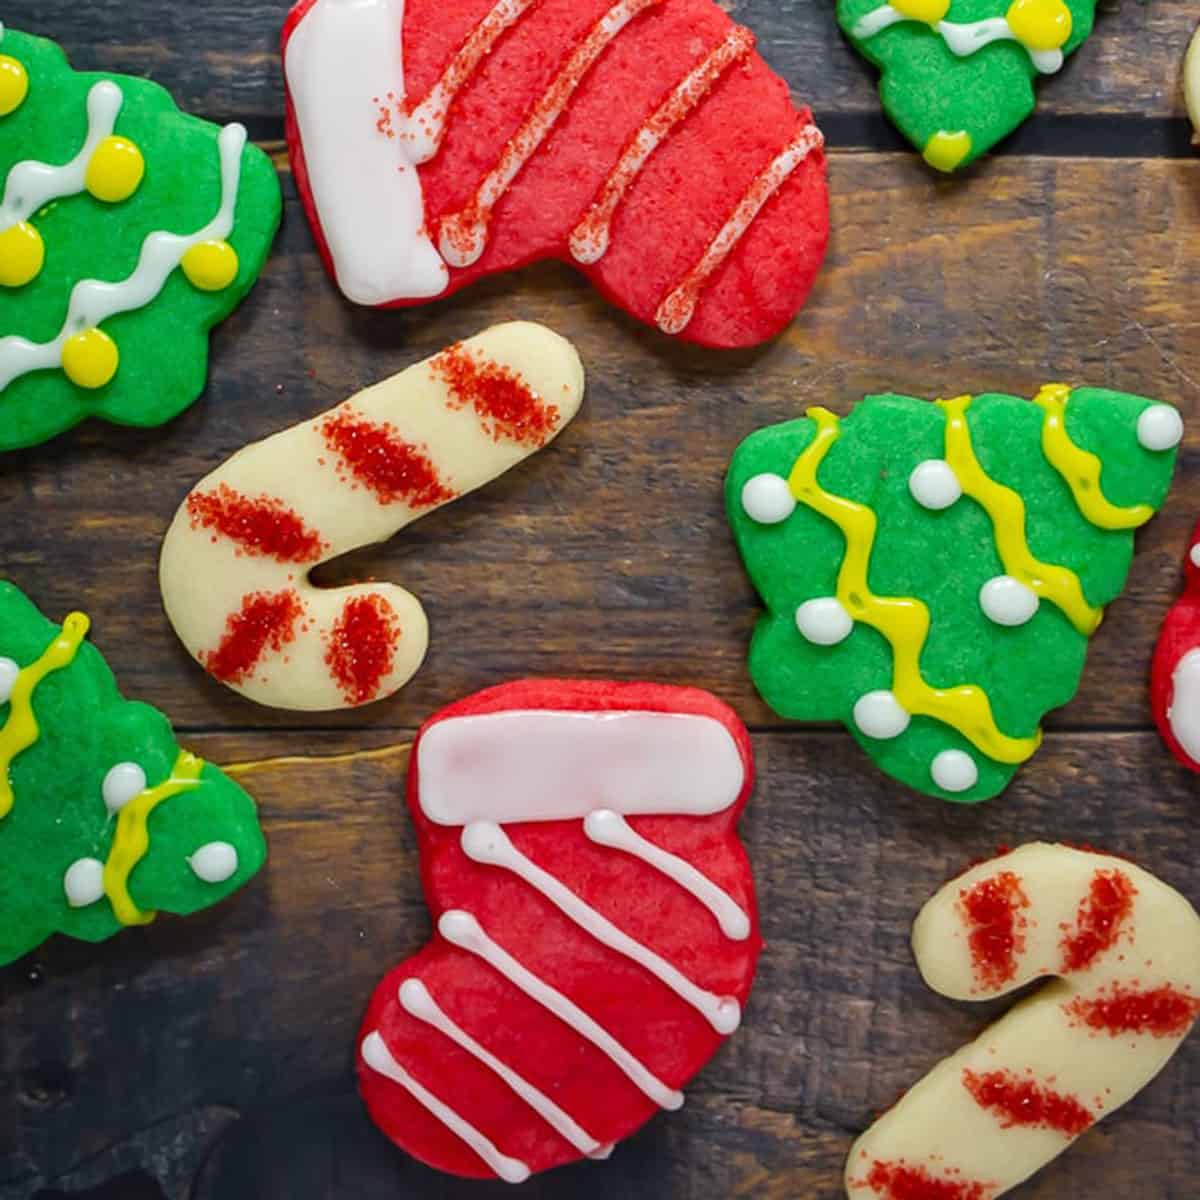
(1080, 468)
(904, 621)
(1059, 585)
(132, 838)
(20, 731)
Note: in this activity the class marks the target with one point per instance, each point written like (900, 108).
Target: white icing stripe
(1184, 712)
(415, 998)
(93, 301)
(676, 311)
(608, 828)
(463, 235)
(463, 930)
(548, 765)
(426, 125)
(962, 38)
(31, 185)
(379, 1058)
(589, 241)
(485, 842)
(345, 74)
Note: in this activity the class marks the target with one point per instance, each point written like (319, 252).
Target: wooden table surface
(212, 1058)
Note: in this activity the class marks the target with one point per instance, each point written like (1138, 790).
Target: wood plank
(561, 567)
(221, 58)
(254, 1005)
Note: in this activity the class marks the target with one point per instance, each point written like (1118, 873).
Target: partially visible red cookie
(596, 931)
(434, 142)
(1175, 672)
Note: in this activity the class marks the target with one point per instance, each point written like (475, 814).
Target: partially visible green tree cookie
(127, 231)
(957, 75)
(103, 819)
(933, 571)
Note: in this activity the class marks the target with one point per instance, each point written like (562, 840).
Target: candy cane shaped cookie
(235, 561)
(1126, 949)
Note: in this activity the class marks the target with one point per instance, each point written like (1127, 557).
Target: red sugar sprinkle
(261, 526)
(1102, 913)
(992, 912)
(1161, 1012)
(362, 647)
(1023, 1102)
(505, 404)
(899, 1181)
(380, 459)
(263, 620)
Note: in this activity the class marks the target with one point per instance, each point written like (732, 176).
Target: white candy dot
(824, 621)
(214, 862)
(954, 771)
(767, 499)
(934, 484)
(1194, 555)
(8, 677)
(122, 783)
(1160, 427)
(1007, 601)
(881, 715)
(84, 882)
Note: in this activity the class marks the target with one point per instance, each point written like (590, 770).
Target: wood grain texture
(215, 1054)
(220, 57)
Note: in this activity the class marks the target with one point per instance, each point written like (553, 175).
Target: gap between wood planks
(1078, 135)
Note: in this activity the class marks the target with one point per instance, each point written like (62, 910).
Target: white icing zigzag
(93, 301)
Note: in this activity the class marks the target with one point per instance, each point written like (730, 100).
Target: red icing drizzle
(263, 620)
(506, 405)
(260, 526)
(899, 1181)
(992, 909)
(1024, 1102)
(1162, 1012)
(380, 459)
(362, 647)
(1102, 913)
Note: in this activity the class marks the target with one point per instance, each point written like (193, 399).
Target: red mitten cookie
(437, 141)
(1175, 673)
(596, 930)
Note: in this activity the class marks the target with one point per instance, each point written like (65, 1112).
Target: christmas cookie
(958, 75)
(236, 559)
(596, 932)
(1175, 673)
(103, 819)
(127, 230)
(434, 142)
(1191, 85)
(932, 572)
(1126, 950)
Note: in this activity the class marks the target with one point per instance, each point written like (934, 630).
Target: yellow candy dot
(1040, 24)
(945, 151)
(21, 255)
(14, 84)
(90, 358)
(928, 11)
(211, 266)
(115, 170)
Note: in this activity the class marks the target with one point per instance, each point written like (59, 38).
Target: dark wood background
(212, 1058)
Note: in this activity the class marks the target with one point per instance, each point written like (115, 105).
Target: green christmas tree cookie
(957, 75)
(933, 571)
(127, 231)
(103, 819)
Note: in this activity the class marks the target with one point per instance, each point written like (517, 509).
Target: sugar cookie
(235, 561)
(1175, 671)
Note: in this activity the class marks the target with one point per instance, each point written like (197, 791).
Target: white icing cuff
(545, 765)
(345, 73)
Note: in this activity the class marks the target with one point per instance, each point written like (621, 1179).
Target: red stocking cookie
(1175, 674)
(437, 141)
(595, 916)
